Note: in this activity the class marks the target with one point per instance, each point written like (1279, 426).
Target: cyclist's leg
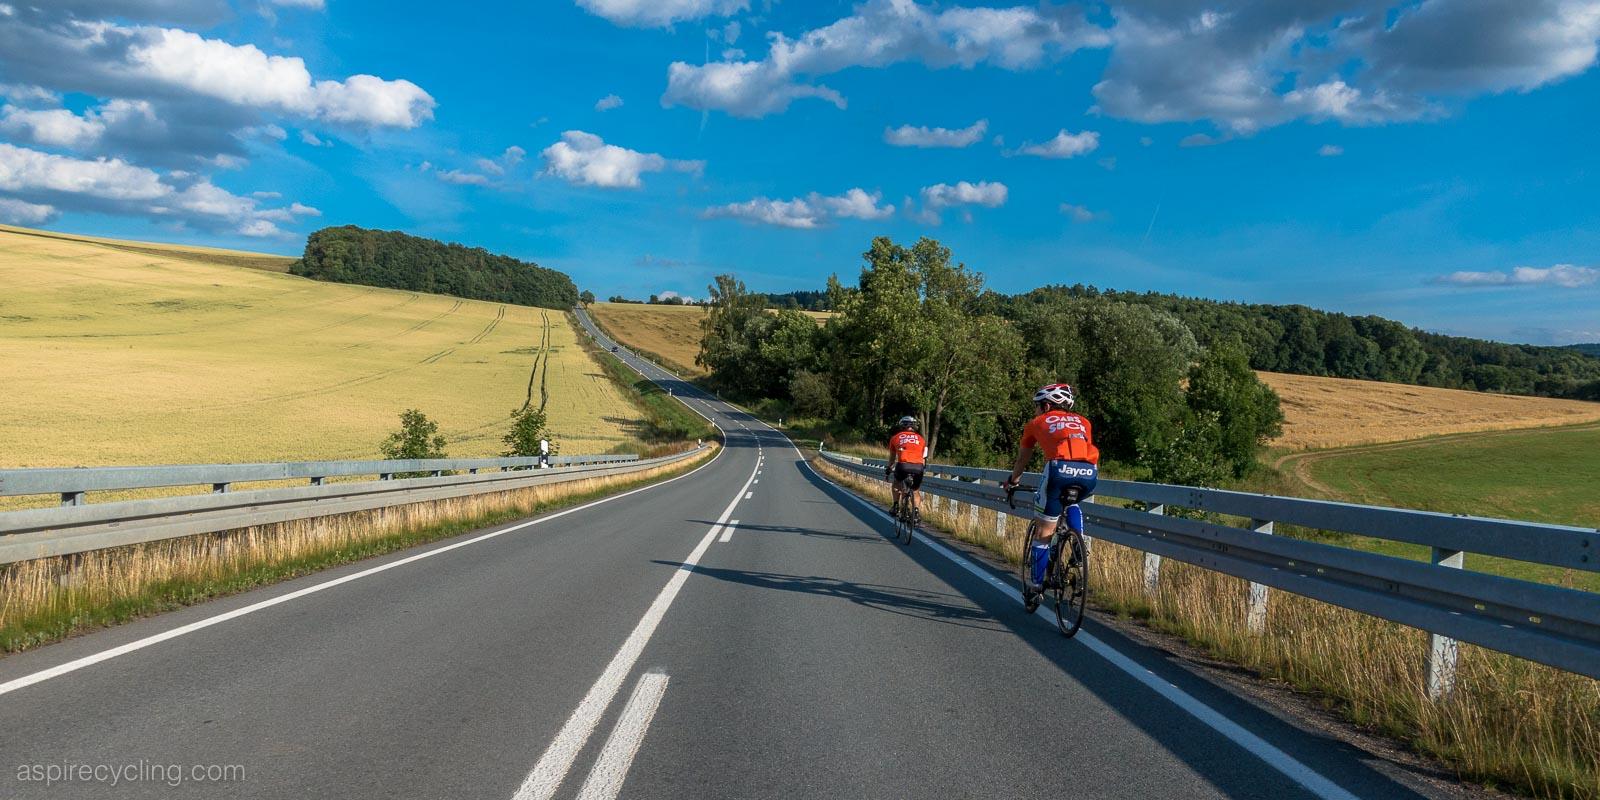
(914, 489)
(1046, 513)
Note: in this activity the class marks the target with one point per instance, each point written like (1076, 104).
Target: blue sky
(1431, 161)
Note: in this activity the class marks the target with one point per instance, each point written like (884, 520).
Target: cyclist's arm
(1024, 456)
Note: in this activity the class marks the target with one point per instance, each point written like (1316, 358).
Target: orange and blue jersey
(1063, 436)
(908, 447)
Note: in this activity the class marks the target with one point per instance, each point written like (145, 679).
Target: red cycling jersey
(1063, 435)
(909, 447)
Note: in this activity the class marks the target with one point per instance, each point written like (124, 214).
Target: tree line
(918, 334)
(396, 260)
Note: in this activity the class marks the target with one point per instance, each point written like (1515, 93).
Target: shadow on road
(1230, 768)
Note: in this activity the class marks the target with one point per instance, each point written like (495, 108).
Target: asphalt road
(646, 646)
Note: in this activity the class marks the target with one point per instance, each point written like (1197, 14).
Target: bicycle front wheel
(1071, 589)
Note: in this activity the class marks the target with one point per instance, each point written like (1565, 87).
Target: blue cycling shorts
(1059, 476)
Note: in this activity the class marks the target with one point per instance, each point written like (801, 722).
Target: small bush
(418, 437)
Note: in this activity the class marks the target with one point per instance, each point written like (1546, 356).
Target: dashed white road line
(748, 494)
(611, 768)
(727, 531)
(546, 776)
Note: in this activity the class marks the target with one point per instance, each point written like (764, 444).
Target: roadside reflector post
(1000, 524)
(972, 517)
(1152, 563)
(1443, 650)
(1256, 613)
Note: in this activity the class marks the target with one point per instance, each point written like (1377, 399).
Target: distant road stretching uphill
(745, 631)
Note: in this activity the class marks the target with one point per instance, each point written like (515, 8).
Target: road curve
(648, 647)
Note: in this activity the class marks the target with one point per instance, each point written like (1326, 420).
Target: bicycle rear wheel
(908, 518)
(1071, 589)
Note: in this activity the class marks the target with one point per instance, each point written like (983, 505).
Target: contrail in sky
(1152, 224)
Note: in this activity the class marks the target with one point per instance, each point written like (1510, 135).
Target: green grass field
(1541, 475)
(136, 353)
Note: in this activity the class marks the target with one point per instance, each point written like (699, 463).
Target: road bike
(1066, 580)
(906, 519)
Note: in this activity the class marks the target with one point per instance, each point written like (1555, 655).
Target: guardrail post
(1152, 563)
(386, 476)
(1256, 614)
(1443, 650)
(972, 517)
(1000, 525)
(316, 480)
(72, 498)
(219, 488)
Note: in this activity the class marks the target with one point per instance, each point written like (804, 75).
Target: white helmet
(1058, 393)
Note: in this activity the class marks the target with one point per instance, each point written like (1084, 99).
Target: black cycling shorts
(909, 474)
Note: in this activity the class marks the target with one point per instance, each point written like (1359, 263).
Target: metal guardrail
(72, 482)
(75, 527)
(1548, 624)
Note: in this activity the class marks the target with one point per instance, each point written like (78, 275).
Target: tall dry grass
(48, 599)
(1510, 723)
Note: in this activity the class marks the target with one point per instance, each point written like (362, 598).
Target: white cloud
(27, 95)
(661, 13)
(244, 75)
(460, 178)
(608, 102)
(22, 169)
(585, 159)
(314, 5)
(56, 127)
(878, 34)
(116, 186)
(314, 140)
(940, 196)
(1247, 65)
(18, 212)
(1566, 276)
(811, 211)
(1077, 213)
(1064, 145)
(1202, 140)
(1330, 150)
(300, 210)
(908, 136)
(260, 228)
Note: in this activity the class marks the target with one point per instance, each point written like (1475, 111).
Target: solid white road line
(616, 756)
(140, 644)
(727, 531)
(546, 776)
(1308, 778)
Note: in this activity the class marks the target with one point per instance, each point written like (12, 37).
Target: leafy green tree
(811, 395)
(418, 437)
(395, 260)
(1225, 393)
(528, 427)
(587, 298)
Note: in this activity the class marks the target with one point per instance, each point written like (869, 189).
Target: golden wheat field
(670, 332)
(135, 353)
(1338, 412)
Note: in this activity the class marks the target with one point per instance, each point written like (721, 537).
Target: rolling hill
(130, 352)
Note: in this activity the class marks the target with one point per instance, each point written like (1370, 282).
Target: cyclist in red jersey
(1071, 468)
(908, 457)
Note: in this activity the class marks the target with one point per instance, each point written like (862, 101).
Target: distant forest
(395, 260)
(1305, 341)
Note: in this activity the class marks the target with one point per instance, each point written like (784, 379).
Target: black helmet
(907, 423)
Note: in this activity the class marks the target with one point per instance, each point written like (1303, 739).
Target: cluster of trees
(1305, 341)
(919, 335)
(418, 436)
(395, 260)
(801, 300)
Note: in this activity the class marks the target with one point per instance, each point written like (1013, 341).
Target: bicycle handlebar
(1011, 493)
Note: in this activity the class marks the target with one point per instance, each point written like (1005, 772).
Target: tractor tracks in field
(541, 366)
